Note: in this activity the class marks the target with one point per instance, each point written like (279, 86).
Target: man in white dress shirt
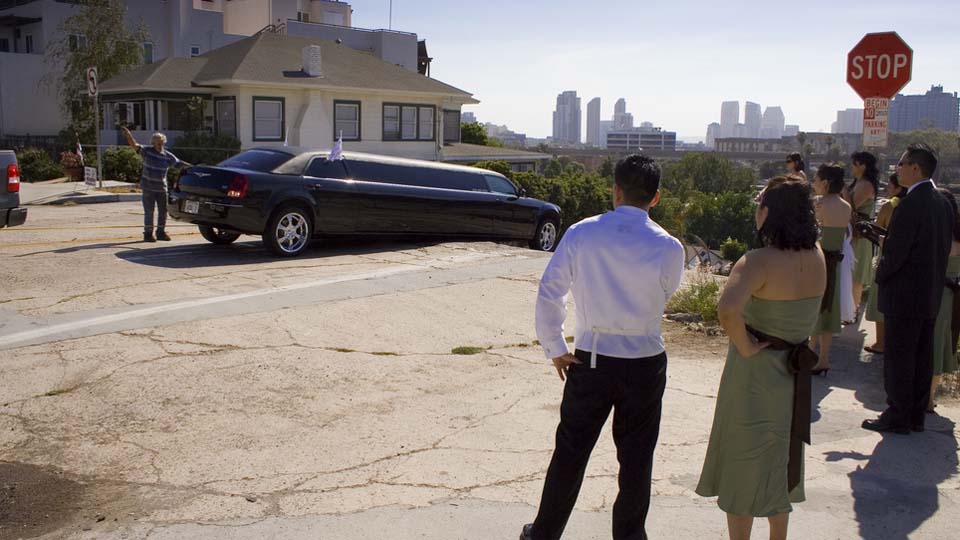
(621, 268)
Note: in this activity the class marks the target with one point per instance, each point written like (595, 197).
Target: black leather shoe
(162, 235)
(148, 237)
(882, 426)
(527, 533)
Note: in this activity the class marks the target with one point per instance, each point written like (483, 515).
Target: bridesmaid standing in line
(769, 307)
(873, 314)
(944, 342)
(862, 196)
(833, 214)
(796, 166)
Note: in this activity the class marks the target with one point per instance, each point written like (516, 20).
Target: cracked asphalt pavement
(185, 390)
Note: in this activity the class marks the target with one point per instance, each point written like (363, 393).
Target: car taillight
(13, 178)
(238, 187)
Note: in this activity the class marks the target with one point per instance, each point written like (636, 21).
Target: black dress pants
(907, 369)
(633, 388)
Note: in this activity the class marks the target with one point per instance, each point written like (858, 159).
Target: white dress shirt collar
(927, 181)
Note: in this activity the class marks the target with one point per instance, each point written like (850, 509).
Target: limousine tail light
(13, 178)
(238, 187)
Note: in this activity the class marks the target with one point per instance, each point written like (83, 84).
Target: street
(367, 389)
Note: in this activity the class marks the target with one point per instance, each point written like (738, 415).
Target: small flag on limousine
(337, 151)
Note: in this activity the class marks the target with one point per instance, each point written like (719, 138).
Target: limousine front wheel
(288, 231)
(546, 237)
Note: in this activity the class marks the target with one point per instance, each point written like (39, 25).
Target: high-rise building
(740, 132)
(606, 126)
(645, 137)
(935, 109)
(593, 122)
(713, 133)
(791, 130)
(467, 118)
(729, 117)
(621, 118)
(771, 127)
(848, 121)
(752, 119)
(567, 118)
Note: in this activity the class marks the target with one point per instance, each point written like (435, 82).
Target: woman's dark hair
(797, 160)
(895, 181)
(871, 173)
(956, 214)
(832, 174)
(791, 221)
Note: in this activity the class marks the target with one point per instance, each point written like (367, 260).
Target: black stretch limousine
(291, 195)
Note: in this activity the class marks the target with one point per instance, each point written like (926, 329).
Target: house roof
(276, 59)
(477, 152)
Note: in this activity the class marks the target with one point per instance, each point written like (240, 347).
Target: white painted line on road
(26, 336)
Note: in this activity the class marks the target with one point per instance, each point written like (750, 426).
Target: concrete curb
(86, 198)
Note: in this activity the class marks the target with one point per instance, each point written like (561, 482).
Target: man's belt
(800, 360)
(832, 258)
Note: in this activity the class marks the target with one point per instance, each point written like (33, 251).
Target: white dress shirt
(927, 181)
(622, 268)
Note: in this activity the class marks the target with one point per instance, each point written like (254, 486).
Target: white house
(272, 89)
(177, 29)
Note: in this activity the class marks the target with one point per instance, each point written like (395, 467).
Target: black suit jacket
(913, 262)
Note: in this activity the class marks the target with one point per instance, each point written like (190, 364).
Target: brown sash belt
(800, 360)
(832, 259)
(954, 285)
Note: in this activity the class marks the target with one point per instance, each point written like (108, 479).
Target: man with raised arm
(153, 181)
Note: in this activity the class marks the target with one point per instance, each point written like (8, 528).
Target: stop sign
(879, 66)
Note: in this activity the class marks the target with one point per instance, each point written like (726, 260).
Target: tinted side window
(500, 185)
(368, 171)
(257, 160)
(324, 168)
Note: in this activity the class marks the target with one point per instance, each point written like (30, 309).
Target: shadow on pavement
(253, 252)
(895, 491)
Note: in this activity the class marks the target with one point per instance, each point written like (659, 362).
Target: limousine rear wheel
(546, 237)
(217, 235)
(288, 231)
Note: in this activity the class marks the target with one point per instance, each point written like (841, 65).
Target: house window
(194, 50)
(268, 115)
(147, 52)
(226, 111)
(178, 116)
(346, 120)
(303, 16)
(451, 126)
(77, 42)
(28, 44)
(408, 122)
(4, 45)
(131, 114)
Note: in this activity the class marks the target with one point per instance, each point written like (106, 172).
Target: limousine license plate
(191, 207)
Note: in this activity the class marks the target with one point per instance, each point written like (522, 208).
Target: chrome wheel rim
(548, 235)
(291, 232)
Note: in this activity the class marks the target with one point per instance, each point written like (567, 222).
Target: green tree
(501, 167)
(607, 167)
(715, 217)
(553, 168)
(473, 133)
(706, 172)
(109, 45)
(770, 169)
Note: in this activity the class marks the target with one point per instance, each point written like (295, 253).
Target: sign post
(877, 68)
(94, 93)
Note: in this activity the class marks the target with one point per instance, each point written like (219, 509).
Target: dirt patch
(679, 337)
(35, 501)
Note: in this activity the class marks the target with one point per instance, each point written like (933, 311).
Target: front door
(226, 117)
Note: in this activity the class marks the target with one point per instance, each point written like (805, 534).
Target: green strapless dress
(863, 251)
(831, 239)
(944, 357)
(873, 310)
(746, 461)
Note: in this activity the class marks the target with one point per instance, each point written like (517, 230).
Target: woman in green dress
(862, 196)
(774, 291)
(833, 214)
(944, 343)
(883, 220)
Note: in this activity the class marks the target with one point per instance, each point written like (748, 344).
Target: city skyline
(675, 79)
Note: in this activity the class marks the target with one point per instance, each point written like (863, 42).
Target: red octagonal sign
(879, 66)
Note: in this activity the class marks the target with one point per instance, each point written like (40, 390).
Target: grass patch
(468, 350)
(699, 296)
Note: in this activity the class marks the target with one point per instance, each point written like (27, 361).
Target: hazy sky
(673, 61)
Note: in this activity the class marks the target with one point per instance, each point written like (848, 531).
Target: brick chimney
(310, 58)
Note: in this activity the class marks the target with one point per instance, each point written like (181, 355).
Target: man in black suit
(913, 265)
